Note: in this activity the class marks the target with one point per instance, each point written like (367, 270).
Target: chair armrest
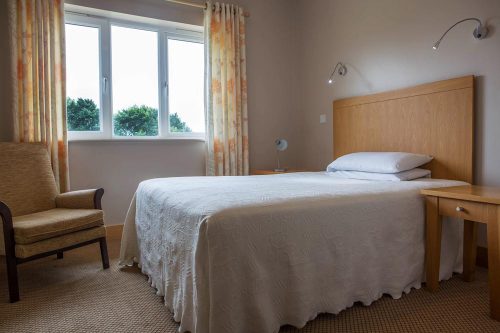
(83, 199)
(6, 215)
(8, 229)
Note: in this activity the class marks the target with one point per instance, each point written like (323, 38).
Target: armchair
(37, 220)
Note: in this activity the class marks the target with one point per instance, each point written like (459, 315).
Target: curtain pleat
(37, 30)
(226, 91)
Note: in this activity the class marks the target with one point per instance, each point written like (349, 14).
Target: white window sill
(126, 139)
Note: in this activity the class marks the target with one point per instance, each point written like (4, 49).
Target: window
(134, 64)
(186, 92)
(83, 77)
(133, 80)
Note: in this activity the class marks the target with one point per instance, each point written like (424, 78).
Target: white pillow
(396, 177)
(379, 162)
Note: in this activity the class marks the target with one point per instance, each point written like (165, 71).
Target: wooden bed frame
(435, 118)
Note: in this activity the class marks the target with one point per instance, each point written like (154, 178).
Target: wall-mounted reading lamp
(340, 69)
(479, 32)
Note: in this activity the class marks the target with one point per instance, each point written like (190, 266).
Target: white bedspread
(249, 254)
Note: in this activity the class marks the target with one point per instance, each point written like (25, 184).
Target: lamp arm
(453, 26)
(342, 71)
(333, 72)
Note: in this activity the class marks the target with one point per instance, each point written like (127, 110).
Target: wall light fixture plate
(480, 32)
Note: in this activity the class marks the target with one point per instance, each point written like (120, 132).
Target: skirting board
(114, 232)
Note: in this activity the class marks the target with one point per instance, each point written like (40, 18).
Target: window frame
(164, 30)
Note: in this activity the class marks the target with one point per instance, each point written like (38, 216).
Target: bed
(250, 254)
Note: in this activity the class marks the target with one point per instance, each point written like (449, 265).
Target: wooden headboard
(435, 118)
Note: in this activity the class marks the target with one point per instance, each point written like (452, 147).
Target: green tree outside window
(136, 121)
(83, 115)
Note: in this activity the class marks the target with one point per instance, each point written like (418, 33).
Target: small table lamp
(281, 145)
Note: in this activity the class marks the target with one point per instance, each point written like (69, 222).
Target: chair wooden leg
(12, 279)
(104, 253)
(60, 255)
(10, 252)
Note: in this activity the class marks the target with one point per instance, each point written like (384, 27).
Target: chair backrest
(27, 184)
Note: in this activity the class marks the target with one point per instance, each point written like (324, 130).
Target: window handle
(104, 85)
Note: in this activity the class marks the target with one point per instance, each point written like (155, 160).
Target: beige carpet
(76, 295)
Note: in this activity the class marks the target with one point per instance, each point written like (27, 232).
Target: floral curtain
(38, 66)
(226, 90)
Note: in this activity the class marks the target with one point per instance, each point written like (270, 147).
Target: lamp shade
(281, 144)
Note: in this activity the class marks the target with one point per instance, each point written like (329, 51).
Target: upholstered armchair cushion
(54, 222)
(27, 183)
(59, 242)
(77, 199)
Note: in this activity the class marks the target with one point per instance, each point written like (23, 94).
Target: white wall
(387, 44)
(119, 166)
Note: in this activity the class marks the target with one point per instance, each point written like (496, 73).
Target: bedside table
(272, 172)
(473, 204)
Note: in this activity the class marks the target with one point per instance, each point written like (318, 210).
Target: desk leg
(433, 230)
(470, 250)
(494, 260)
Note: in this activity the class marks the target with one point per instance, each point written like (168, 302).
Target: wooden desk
(473, 204)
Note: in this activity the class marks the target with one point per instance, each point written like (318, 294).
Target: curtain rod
(197, 5)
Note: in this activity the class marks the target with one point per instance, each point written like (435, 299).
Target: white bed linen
(249, 254)
(395, 177)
